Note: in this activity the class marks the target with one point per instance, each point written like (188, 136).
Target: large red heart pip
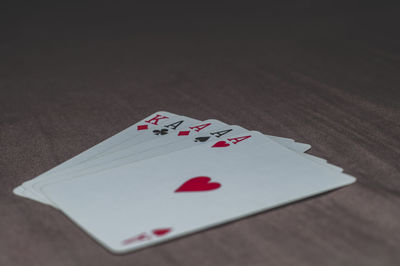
(220, 144)
(200, 183)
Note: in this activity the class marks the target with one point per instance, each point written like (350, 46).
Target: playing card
(168, 196)
(139, 131)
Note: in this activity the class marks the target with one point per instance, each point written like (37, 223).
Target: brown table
(327, 74)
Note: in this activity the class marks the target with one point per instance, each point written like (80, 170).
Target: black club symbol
(163, 131)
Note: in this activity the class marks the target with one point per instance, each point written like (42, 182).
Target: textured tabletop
(324, 74)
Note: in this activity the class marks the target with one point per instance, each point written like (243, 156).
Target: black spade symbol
(201, 139)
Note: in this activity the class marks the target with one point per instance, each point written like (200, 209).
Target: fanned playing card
(168, 196)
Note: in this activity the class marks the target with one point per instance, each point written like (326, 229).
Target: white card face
(155, 200)
(138, 131)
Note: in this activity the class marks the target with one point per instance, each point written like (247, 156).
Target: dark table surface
(327, 74)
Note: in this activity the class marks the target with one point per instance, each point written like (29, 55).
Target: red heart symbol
(161, 231)
(200, 183)
(220, 144)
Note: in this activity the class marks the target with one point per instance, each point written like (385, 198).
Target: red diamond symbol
(183, 133)
(142, 127)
